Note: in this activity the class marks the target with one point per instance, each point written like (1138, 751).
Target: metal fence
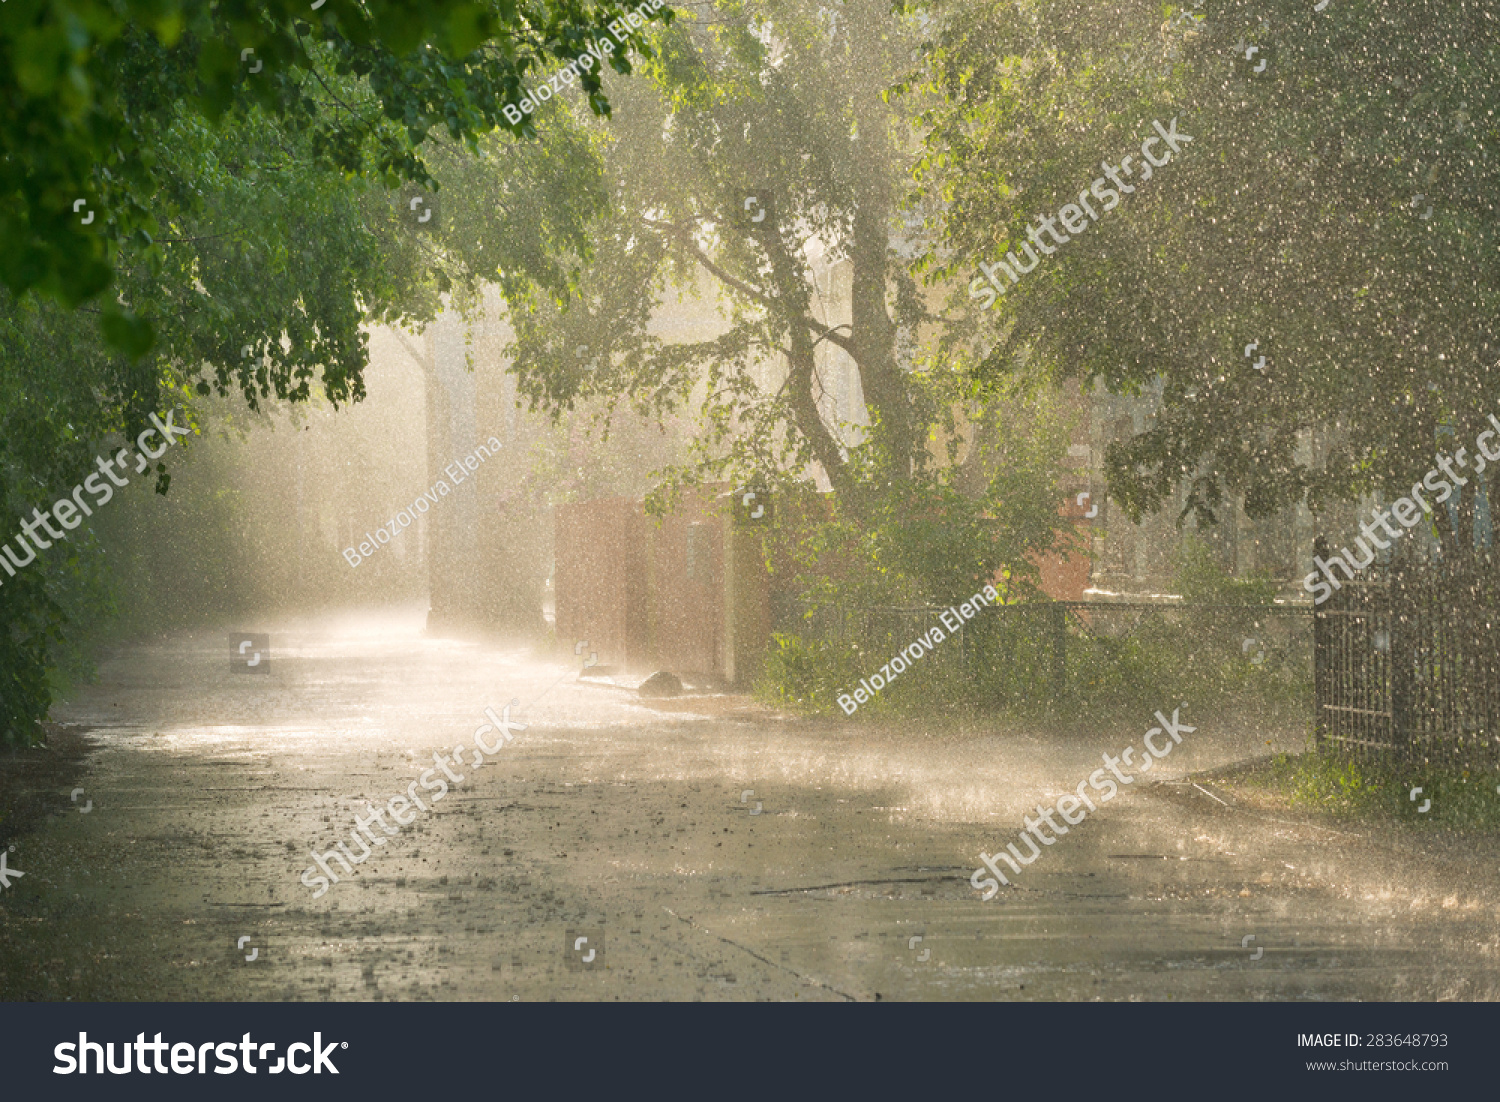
(1405, 662)
(1056, 650)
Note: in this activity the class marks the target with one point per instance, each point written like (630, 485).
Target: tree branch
(682, 235)
(410, 351)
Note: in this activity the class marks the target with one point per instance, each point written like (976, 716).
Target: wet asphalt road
(629, 825)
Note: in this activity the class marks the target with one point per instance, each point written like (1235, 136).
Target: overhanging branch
(686, 238)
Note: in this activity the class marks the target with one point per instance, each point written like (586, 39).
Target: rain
(749, 500)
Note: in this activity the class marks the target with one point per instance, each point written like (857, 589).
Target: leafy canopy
(91, 89)
(1336, 209)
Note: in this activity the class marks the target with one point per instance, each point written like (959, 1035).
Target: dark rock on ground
(661, 683)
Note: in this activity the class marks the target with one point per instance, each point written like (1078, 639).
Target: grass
(1372, 789)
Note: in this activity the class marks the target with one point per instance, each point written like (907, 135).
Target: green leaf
(124, 332)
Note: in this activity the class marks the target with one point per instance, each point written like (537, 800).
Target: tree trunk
(792, 300)
(885, 387)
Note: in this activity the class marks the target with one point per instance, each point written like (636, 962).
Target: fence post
(1322, 653)
(1401, 656)
(1059, 651)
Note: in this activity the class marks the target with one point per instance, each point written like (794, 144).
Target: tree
(179, 222)
(761, 148)
(756, 137)
(1335, 210)
(91, 87)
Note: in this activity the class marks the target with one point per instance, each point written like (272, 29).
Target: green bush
(807, 674)
(931, 542)
(1008, 659)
